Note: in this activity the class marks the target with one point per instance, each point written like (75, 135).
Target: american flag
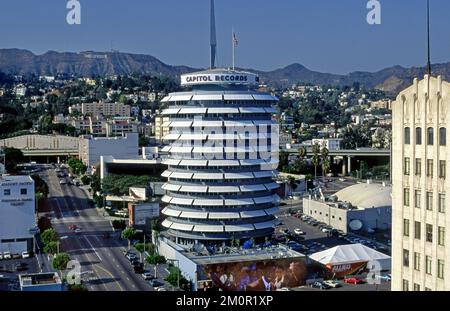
(235, 40)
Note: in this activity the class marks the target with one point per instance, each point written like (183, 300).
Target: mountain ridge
(90, 63)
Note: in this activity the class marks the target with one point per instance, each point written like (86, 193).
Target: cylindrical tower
(223, 156)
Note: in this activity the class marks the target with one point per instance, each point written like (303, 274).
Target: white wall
(17, 213)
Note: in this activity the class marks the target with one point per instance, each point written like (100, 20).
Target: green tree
(315, 158)
(13, 157)
(302, 152)
(51, 247)
(77, 288)
(176, 279)
(49, 235)
(154, 259)
(129, 234)
(60, 261)
(325, 162)
(86, 180)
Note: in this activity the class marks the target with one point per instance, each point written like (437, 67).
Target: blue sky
(324, 35)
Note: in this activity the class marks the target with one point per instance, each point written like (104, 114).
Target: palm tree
(325, 162)
(315, 158)
(302, 152)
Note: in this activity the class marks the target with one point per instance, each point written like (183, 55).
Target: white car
(299, 232)
(332, 283)
(326, 230)
(25, 255)
(161, 289)
(77, 230)
(7, 255)
(1, 256)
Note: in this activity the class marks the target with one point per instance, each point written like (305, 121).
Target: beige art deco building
(421, 187)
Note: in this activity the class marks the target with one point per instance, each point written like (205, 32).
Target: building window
(405, 285)
(427, 289)
(442, 169)
(407, 136)
(429, 201)
(428, 265)
(441, 203)
(6, 191)
(23, 191)
(416, 261)
(441, 236)
(417, 232)
(418, 167)
(440, 269)
(416, 287)
(406, 196)
(407, 166)
(442, 136)
(429, 233)
(417, 198)
(430, 136)
(406, 258)
(430, 168)
(419, 136)
(405, 227)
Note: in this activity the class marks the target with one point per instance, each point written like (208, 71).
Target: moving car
(386, 277)
(73, 227)
(77, 230)
(353, 280)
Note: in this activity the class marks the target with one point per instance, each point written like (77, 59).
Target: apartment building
(106, 109)
(421, 187)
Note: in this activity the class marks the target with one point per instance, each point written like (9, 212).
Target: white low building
(121, 147)
(17, 214)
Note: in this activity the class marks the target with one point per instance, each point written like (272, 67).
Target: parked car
(353, 280)
(332, 283)
(77, 230)
(73, 227)
(156, 283)
(299, 231)
(25, 255)
(1, 256)
(7, 255)
(147, 276)
(138, 268)
(320, 285)
(20, 266)
(386, 277)
(130, 256)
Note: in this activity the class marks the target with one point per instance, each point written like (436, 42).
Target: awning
(204, 228)
(239, 228)
(225, 189)
(182, 227)
(192, 110)
(224, 215)
(195, 189)
(264, 97)
(181, 175)
(253, 214)
(193, 163)
(238, 97)
(252, 110)
(239, 202)
(182, 124)
(181, 201)
(201, 202)
(247, 175)
(272, 186)
(194, 215)
(266, 225)
(206, 97)
(224, 110)
(180, 98)
(170, 187)
(204, 123)
(208, 176)
(170, 111)
(171, 212)
(251, 188)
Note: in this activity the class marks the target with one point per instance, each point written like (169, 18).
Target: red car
(73, 227)
(353, 280)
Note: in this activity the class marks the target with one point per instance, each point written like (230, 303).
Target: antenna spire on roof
(213, 36)
(428, 36)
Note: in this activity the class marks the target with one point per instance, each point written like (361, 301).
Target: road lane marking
(95, 251)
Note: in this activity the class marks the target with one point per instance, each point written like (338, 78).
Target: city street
(102, 260)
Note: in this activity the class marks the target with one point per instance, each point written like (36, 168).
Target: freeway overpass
(352, 156)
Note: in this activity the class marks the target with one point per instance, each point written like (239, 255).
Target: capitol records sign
(219, 78)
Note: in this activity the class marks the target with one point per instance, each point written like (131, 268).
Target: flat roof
(250, 255)
(14, 179)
